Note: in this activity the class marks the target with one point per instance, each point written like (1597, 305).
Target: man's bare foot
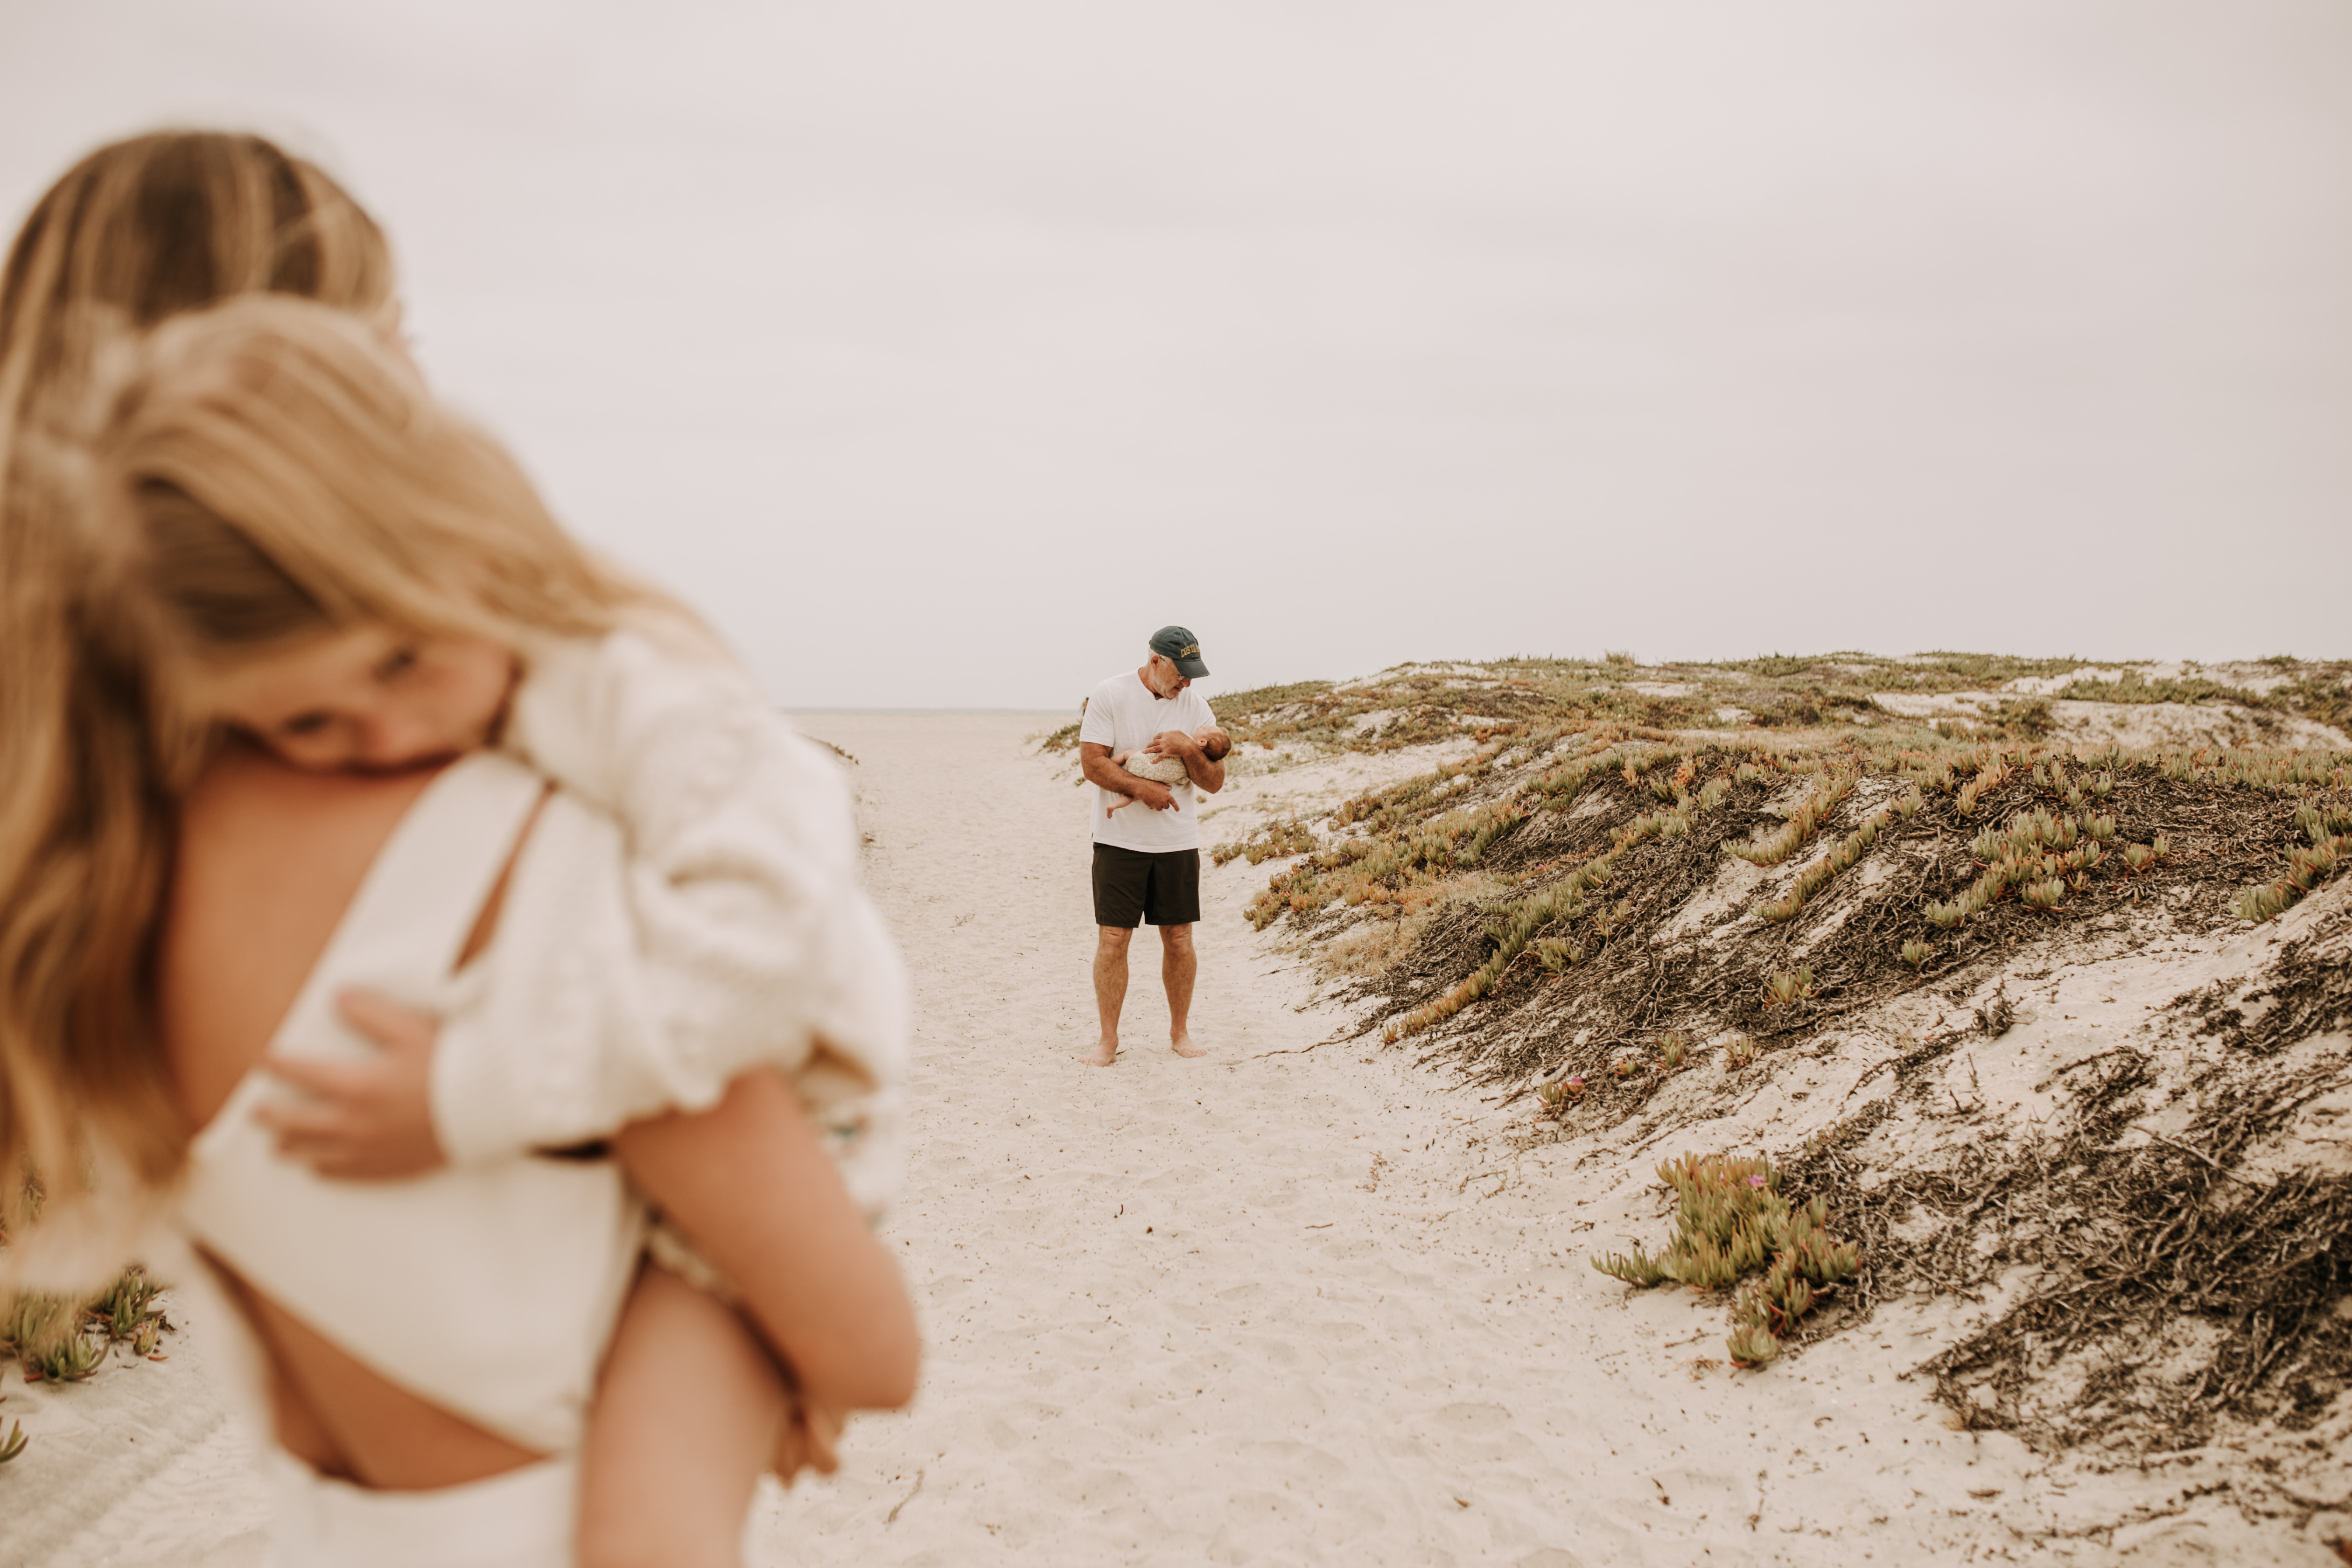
(1102, 1056)
(1183, 1047)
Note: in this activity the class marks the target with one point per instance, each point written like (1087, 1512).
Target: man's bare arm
(1208, 777)
(1093, 760)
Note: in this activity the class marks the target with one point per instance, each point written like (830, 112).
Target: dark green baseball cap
(1176, 643)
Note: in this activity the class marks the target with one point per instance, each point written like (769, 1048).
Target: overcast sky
(942, 350)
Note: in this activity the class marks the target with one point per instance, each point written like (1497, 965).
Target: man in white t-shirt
(1148, 853)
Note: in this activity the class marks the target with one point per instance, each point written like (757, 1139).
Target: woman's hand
(362, 1121)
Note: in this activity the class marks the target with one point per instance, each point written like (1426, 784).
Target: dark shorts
(1132, 886)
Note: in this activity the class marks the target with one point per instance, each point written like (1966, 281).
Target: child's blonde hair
(259, 474)
(269, 472)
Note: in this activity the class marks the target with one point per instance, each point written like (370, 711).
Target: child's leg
(687, 1417)
(749, 1183)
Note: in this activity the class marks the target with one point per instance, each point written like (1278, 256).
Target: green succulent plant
(1731, 1220)
(1639, 1269)
(2258, 904)
(67, 1360)
(2044, 896)
(1800, 825)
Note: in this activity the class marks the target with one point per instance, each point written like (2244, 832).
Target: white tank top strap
(409, 920)
(488, 1289)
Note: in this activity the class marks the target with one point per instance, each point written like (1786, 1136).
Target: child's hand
(807, 1442)
(370, 1120)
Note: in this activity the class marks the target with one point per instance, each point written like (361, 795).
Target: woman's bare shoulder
(267, 860)
(247, 800)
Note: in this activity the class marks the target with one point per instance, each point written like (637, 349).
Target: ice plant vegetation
(58, 1338)
(2329, 828)
(1802, 824)
(1534, 877)
(1732, 1219)
(1577, 882)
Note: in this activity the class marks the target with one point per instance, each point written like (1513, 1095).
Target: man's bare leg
(1178, 964)
(1110, 990)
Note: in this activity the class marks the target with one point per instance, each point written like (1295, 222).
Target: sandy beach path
(1252, 1309)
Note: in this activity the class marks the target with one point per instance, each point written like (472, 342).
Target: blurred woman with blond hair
(175, 903)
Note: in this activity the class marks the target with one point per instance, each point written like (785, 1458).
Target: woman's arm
(751, 1184)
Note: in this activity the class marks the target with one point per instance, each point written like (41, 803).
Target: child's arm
(711, 923)
(742, 936)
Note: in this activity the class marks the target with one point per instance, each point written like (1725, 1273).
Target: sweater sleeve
(728, 931)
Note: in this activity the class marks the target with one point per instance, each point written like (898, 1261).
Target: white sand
(1295, 1302)
(137, 1467)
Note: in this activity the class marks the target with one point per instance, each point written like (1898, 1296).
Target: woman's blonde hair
(135, 233)
(169, 222)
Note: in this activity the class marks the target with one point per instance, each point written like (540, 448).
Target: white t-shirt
(1123, 714)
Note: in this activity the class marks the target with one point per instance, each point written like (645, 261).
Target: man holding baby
(1148, 742)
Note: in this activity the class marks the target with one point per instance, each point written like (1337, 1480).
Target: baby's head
(296, 542)
(1214, 742)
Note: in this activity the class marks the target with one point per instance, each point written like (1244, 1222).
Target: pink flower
(1755, 1181)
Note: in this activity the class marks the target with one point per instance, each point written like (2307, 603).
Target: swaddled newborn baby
(1213, 743)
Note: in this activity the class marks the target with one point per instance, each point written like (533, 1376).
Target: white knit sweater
(710, 920)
